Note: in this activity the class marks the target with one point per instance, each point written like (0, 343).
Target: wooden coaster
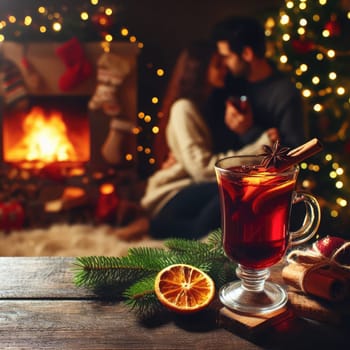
(249, 326)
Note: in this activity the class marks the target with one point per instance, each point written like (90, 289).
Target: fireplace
(52, 129)
(50, 153)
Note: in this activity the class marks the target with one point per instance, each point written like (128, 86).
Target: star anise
(274, 155)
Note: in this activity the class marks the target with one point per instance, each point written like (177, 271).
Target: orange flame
(45, 139)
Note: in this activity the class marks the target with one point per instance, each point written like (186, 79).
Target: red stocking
(78, 67)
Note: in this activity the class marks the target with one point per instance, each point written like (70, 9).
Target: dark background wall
(166, 26)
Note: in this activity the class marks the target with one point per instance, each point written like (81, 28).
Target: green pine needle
(142, 298)
(133, 275)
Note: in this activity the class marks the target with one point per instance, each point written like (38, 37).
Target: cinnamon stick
(300, 153)
(325, 282)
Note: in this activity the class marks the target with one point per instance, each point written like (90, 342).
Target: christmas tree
(310, 40)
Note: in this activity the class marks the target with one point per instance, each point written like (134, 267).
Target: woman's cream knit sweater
(190, 141)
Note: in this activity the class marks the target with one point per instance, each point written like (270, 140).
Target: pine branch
(109, 272)
(132, 276)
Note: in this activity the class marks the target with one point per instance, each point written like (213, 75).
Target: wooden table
(41, 308)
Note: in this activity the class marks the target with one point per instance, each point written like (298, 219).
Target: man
(270, 98)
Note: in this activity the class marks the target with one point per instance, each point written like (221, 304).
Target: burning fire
(44, 139)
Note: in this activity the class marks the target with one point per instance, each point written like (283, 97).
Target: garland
(132, 277)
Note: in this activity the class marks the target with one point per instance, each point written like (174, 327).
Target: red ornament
(11, 216)
(333, 247)
(334, 28)
(328, 245)
(303, 46)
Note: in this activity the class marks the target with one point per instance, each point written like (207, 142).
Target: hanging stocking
(15, 92)
(112, 70)
(78, 68)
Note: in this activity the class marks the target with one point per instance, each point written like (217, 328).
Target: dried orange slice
(183, 288)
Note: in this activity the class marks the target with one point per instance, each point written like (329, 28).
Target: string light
(334, 213)
(326, 33)
(42, 10)
(301, 31)
(284, 19)
(340, 90)
(339, 184)
(318, 107)
(84, 16)
(290, 4)
(306, 93)
(283, 59)
(147, 118)
(304, 67)
(27, 20)
(303, 165)
(286, 37)
(124, 31)
(109, 38)
(315, 80)
(302, 6)
(303, 22)
(331, 53)
(136, 130)
(332, 174)
(328, 157)
(56, 26)
(319, 56)
(108, 11)
(129, 157)
(342, 202)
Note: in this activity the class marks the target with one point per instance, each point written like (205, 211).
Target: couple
(204, 125)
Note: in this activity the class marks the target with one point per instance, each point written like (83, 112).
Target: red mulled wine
(255, 206)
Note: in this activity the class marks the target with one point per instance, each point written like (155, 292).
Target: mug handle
(311, 221)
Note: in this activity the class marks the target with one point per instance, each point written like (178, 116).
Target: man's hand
(238, 121)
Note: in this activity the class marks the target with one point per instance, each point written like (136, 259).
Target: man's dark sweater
(275, 102)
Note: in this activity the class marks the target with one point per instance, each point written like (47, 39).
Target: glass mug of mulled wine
(256, 206)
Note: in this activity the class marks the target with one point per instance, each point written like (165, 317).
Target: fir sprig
(132, 276)
(141, 297)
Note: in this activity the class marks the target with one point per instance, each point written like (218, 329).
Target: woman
(181, 198)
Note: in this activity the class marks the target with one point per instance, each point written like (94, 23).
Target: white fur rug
(67, 240)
